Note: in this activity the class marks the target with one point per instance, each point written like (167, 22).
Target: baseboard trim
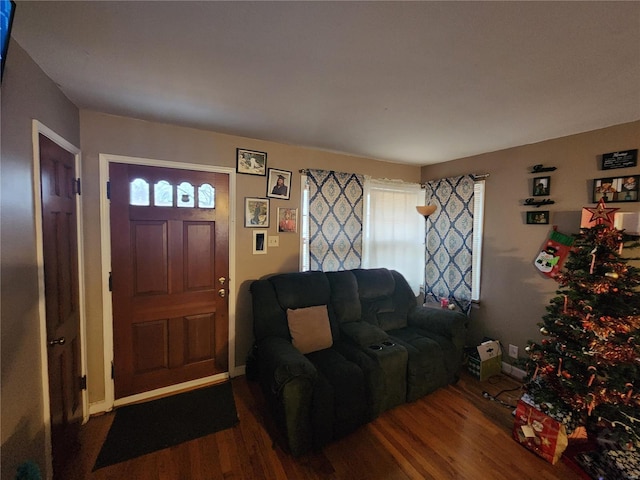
(96, 408)
(512, 371)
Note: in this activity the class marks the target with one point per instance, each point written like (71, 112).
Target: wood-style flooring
(453, 433)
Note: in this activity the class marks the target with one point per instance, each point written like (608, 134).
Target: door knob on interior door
(57, 341)
(222, 293)
(222, 280)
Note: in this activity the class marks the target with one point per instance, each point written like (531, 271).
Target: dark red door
(60, 245)
(169, 254)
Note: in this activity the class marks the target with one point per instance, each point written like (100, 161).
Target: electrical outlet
(513, 351)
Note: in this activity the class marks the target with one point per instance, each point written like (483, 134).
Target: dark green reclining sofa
(377, 348)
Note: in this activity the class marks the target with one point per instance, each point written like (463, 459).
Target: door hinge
(77, 186)
(83, 382)
(110, 283)
(108, 190)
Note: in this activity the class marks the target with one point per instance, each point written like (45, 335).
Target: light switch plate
(274, 241)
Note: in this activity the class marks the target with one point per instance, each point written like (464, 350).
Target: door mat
(146, 427)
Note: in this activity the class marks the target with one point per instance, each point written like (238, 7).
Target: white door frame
(107, 313)
(38, 128)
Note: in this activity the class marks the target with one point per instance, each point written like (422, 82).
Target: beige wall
(101, 133)
(26, 94)
(513, 294)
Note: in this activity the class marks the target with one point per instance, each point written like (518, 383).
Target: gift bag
(539, 432)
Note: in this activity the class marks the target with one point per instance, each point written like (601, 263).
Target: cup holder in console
(388, 343)
(375, 347)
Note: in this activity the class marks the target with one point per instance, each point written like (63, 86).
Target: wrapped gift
(539, 432)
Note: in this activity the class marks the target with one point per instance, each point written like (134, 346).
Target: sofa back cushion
(385, 297)
(344, 296)
(301, 289)
(273, 296)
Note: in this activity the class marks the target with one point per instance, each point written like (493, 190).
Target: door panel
(170, 322)
(60, 250)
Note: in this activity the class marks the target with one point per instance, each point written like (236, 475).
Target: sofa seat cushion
(310, 329)
(344, 382)
(426, 370)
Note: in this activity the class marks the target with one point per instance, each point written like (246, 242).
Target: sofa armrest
(280, 362)
(363, 334)
(448, 323)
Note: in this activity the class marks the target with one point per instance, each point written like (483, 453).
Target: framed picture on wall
(616, 189)
(256, 212)
(538, 217)
(259, 242)
(541, 186)
(251, 162)
(279, 184)
(287, 220)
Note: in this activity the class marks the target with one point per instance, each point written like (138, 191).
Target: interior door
(170, 264)
(60, 248)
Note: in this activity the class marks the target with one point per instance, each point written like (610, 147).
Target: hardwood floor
(454, 433)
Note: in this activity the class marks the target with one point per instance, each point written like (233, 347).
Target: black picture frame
(256, 212)
(541, 186)
(537, 217)
(251, 162)
(279, 190)
(622, 159)
(616, 189)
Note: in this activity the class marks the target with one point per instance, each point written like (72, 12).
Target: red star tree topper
(601, 214)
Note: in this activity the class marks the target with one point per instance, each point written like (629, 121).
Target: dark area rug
(146, 427)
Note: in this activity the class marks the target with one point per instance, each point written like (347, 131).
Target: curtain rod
(476, 176)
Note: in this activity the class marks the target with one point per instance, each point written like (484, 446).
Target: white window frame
(478, 233)
(304, 224)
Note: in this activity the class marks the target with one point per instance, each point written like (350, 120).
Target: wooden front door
(60, 248)
(170, 270)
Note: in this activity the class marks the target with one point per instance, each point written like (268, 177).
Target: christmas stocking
(553, 254)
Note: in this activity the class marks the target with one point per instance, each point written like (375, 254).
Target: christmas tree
(587, 365)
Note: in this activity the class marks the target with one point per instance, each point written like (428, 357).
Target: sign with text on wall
(626, 159)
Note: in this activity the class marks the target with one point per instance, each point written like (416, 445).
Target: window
(393, 232)
(163, 194)
(478, 227)
(304, 224)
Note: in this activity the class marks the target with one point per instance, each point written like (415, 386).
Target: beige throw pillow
(310, 329)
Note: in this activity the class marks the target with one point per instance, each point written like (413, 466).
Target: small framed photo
(288, 220)
(616, 189)
(538, 217)
(251, 162)
(279, 184)
(259, 242)
(256, 212)
(541, 186)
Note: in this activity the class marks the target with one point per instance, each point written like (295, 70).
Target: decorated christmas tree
(587, 366)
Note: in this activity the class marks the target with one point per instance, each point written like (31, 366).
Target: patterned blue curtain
(335, 220)
(449, 240)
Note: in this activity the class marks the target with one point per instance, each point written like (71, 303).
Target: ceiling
(407, 82)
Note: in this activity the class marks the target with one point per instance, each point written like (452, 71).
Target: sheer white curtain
(393, 230)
